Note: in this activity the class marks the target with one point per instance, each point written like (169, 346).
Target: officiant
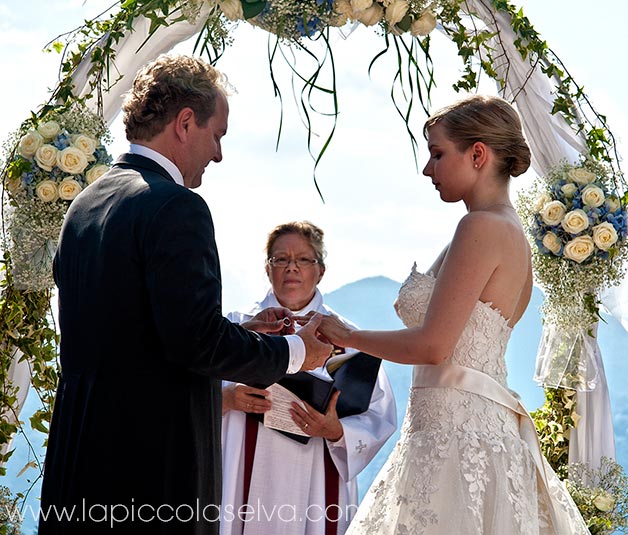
(273, 484)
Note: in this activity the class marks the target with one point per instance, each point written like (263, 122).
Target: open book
(354, 374)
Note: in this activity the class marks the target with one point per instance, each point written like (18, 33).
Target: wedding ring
(306, 425)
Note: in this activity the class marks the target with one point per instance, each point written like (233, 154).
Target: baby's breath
(37, 193)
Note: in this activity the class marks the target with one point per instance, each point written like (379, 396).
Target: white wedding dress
(468, 460)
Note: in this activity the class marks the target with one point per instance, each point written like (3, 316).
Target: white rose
(396, 11)
(47, 191)
(569, 190)
(593, 196)
(541, 201)
(553, 212)
(342, 12)
(612, 203)
(232, 9)
(424, 24)
(95, 172)
(604, 236)
(552, 242)
(46, 157)
(85, 144)
(371, 16)
(29, 144)
(68, 189)
(72, 160)
(12, 184)
(361, 5)
(579, 249)
(604, 501)
(575, 221)
(49, 129)
(581, 176)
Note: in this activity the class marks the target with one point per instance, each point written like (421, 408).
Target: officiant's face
(294, 286)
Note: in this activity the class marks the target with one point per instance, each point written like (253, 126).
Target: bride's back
(510, 286)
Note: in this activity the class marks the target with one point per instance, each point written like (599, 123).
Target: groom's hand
(316, 351)
(271, 320)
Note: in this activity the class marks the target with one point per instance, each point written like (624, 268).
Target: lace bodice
(483, 342)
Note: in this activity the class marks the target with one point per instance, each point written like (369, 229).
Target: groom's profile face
(205, 143)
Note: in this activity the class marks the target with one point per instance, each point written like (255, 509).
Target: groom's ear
(182, 123)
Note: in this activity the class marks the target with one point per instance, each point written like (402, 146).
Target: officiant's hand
(271, 320)
(316, 350)
(316, 424)
(245, 398)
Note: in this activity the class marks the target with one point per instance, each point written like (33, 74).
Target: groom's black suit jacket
(144, 347)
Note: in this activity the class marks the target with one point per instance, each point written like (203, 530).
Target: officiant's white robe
(287, 489)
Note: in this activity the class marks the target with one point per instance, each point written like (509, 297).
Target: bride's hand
(335, 331)
(330, 330)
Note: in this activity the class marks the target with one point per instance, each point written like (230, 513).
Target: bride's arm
(468, 265)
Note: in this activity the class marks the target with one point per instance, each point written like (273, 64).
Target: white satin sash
(477, 382)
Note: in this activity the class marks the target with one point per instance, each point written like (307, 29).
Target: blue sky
(380, 215)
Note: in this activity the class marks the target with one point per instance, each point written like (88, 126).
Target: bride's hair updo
(490, 120)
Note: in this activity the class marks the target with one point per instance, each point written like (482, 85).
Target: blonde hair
(313, 234)
(164, 87)
(490, 120)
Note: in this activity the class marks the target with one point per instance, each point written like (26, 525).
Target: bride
(468, 461)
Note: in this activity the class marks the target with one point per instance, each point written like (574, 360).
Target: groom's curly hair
(164, 87)
(490, 120)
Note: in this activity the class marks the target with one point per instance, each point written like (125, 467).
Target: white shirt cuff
(297, 353)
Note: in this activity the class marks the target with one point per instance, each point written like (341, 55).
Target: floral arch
(492, 38)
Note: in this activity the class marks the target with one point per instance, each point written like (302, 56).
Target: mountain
(369, 304)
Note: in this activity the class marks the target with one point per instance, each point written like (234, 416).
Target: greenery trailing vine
(554, 421)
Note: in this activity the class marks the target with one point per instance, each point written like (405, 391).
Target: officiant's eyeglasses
(283, 262)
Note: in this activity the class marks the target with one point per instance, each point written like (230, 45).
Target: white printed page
(278, 417)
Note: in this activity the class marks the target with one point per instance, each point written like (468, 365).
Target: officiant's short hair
(490, 120)
(313, 234)
(164, 87)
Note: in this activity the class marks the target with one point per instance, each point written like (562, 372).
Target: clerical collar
(159, 158)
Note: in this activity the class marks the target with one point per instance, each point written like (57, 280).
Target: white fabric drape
(20, 376)
(551, 140)
(132, 52)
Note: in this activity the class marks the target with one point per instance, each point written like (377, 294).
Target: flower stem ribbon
(566, 358)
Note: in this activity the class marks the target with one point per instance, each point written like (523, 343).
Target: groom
(135, 437)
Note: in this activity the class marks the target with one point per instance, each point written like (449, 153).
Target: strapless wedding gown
(468, 460)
